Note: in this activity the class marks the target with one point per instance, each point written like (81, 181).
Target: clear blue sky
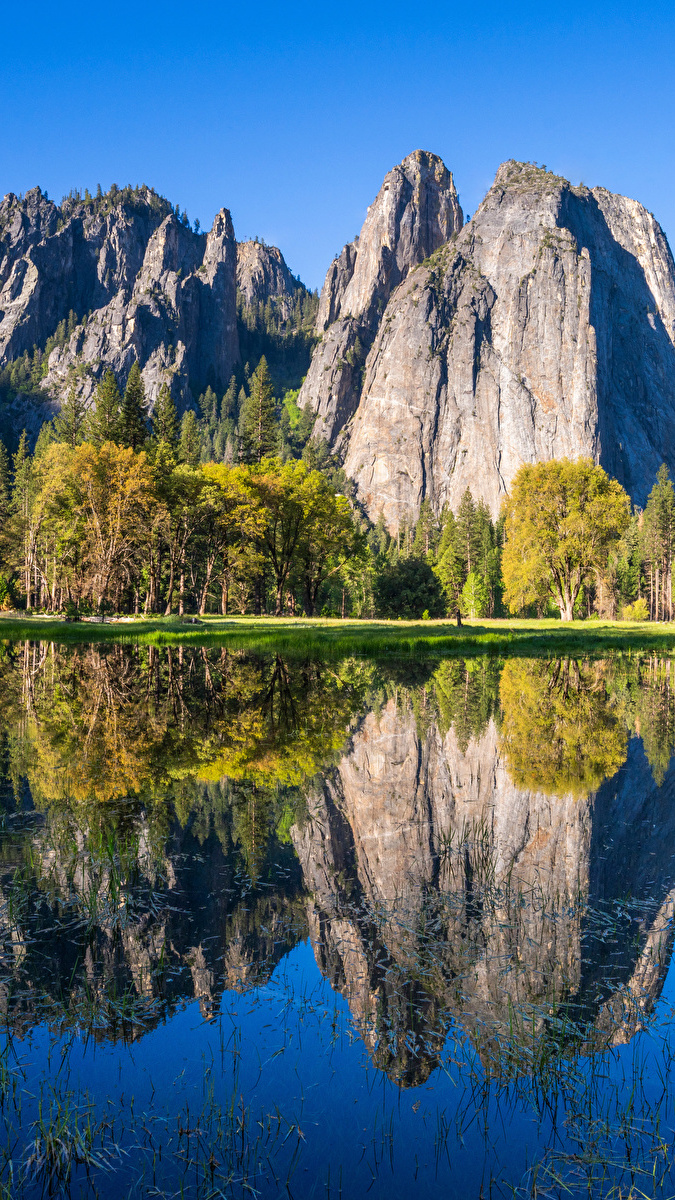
(290, 114)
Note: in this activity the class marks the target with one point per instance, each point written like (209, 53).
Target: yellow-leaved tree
(561, 520)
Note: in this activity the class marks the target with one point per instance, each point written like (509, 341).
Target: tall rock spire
(416, 210)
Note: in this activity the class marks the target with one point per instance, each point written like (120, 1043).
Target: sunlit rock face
(152, 290)
(415, 211)
(262, 275)
(426, 863)
(544, 329)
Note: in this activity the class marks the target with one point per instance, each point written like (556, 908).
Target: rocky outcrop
(415, 211)
(262, 275)
(144, 286)
(544, 329)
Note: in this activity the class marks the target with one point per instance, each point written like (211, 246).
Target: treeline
(239, 507)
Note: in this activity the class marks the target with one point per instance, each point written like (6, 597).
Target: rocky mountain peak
(262, 275)
(544, 330)
(415, 211)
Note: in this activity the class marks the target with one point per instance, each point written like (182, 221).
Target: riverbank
(326, 637)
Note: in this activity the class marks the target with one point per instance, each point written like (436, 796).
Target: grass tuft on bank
(331, 638)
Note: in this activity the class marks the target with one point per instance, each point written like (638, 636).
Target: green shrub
(637, 611)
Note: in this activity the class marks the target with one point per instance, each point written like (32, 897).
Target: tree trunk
(181, 591)
(172, 576)
(205, 589)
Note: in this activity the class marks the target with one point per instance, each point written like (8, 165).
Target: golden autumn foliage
(560, 520)
(559, 731)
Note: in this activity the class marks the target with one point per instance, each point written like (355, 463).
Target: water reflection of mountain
(114, 942)
(442, 890)
(451, 844)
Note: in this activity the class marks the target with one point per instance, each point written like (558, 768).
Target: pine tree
(190, 440)
(257, 422)
(659, 543)
(450, 565)
(5, 483)
(104, 418)
(229, 402)
(133, 428)
(69, 424)
(165, 427)
(467, 539)
(208, 403)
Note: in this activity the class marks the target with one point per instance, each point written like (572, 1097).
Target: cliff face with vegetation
(446, 355)
(544, 328)
(101, 283)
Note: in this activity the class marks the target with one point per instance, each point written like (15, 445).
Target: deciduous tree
(561, 520)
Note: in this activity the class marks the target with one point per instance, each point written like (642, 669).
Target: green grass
(334, 638)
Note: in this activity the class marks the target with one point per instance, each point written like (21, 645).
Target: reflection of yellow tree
(558, 731)
(97, 727)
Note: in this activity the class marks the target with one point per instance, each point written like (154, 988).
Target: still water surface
(273, 927)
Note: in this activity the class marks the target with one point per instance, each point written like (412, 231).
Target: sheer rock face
(416, 211)
(545, 329)
(154, 290)
(262, 275)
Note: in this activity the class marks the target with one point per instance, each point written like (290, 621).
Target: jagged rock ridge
(145, 286)
(262, 275)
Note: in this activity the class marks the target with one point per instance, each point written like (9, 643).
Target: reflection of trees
(559, 732)
(441, 874)
(445, 886)
(643, 692)
(96, 725)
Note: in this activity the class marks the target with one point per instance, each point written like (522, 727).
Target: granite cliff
(134, 282)
(544, 327)
(416, 210)
(447, 354)
(262, 276)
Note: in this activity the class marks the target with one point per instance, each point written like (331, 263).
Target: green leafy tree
(561, 521)
(133, 427)
(257, 422)
(330, 537)
(103, 424)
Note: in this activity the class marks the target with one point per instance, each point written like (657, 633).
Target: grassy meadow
(334, 638)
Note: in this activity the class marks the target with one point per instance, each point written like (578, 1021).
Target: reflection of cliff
(112, 941)
(440, 888)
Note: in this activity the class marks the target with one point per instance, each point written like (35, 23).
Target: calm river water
(273, 927)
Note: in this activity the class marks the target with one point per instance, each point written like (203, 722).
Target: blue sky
(290, 115)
